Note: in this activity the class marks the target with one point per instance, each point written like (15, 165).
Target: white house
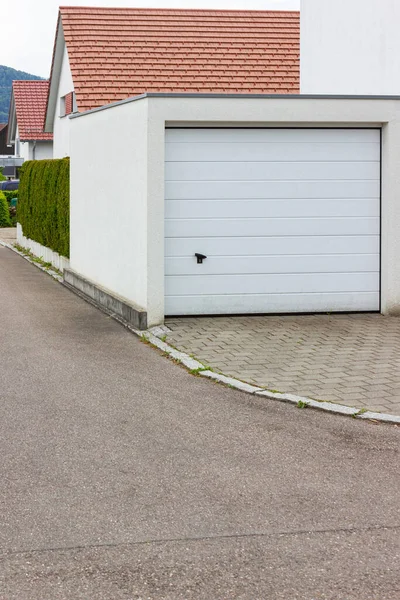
(26, 120)
(350, 47)
(103, 55)
(233, 193)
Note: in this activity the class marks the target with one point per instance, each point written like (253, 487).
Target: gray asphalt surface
(124, 477)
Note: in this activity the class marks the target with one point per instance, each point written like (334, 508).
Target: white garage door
(289, 220)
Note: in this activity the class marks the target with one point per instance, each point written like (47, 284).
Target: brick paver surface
(350, 359)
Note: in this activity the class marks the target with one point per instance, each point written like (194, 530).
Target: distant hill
(7, 75)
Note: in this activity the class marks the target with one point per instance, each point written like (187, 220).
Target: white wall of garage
(136, 240)
(108, 220)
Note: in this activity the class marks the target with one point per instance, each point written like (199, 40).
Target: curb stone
(51, 272)
(153, 335)
(339, 409)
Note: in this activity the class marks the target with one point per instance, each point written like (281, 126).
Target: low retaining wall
(106, 299)
(49, 256)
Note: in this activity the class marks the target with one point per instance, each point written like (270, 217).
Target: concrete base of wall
(134, 315)
(46, 254)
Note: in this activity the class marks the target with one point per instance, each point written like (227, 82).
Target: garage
(272, 220)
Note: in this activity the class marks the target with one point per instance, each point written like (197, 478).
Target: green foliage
(7, 75)
(10, 194)
(5, 220)
(2, 177)
(43, 203)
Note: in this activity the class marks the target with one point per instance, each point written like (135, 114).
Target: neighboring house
(26, 120)
(8, 162)
(103, 55)
(350, 47)
(5, 150)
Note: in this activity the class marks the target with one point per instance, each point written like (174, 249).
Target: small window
(68, 104)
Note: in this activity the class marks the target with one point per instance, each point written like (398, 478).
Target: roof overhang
(12, 121)
(237, 96)
(55, 74)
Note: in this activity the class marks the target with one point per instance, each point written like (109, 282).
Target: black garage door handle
(200, 258)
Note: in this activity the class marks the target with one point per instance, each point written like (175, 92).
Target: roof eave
(12, 120)
(34, 139)
(55, 74)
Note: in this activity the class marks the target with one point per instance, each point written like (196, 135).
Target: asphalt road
(124, 477)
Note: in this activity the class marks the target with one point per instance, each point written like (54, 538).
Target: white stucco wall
(61, 126)
(350, 47)
(25, 150)
(43, 150)
(123, 250)
(109, 232)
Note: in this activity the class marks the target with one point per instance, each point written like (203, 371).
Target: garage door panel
(271, 303)
(284, 283)
(261, 171)
(220, 265)
(218, 209)
(263, 227)
(215, 190)
(276, 135)
(222, 152)
(289, 220)
(272, 245)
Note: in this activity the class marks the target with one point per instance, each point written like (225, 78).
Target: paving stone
(345, 357)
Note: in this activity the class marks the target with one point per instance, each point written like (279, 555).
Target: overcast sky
(28, 26)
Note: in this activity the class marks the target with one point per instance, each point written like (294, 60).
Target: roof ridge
(171, 10)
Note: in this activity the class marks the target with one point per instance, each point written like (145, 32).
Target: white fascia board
(59, 46)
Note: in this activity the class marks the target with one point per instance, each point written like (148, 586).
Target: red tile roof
(30, 105)
(116, 53)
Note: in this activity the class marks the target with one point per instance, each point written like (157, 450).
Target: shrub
(5, 220)
(43, 203)
(2, 177)
(10, 195)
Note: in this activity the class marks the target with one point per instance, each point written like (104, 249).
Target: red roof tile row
(30, 105)
(115, 53)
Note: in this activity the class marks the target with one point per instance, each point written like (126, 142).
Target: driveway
(348, 359)
(124, 477)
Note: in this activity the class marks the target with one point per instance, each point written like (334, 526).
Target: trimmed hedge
(43, 203)
(5, 220)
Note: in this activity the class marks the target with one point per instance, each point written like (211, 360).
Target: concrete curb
(154, 334)
(51, 272)
(300, 401)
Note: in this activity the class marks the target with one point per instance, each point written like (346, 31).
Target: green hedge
(5, 220)
(43, 203)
